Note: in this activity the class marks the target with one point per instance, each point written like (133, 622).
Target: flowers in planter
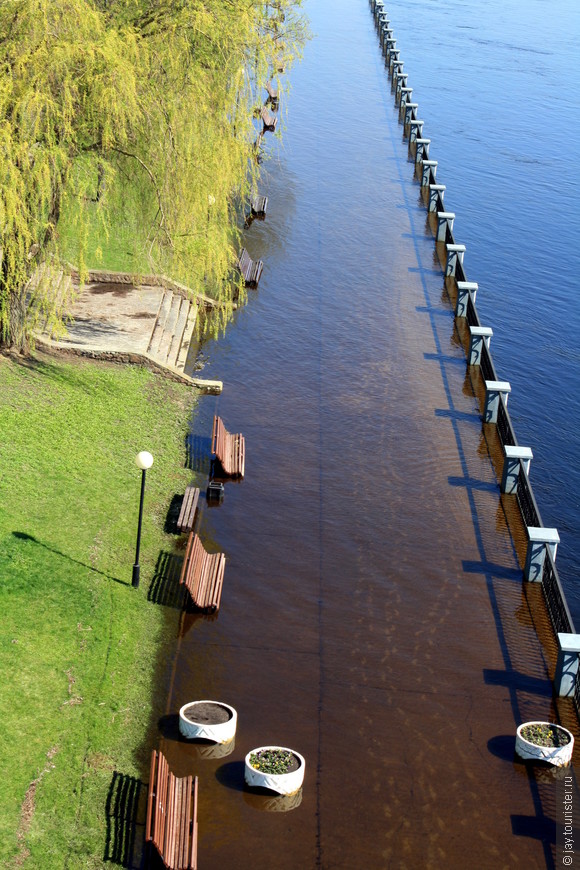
(544, 734)
(273, 761)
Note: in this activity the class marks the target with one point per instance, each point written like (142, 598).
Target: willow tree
(151, 96)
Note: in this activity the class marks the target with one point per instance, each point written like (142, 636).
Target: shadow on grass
(170, 526)
(56, 372)
(23, 536)
(165, 588)
(125, 813)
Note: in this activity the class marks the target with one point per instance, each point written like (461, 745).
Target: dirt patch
(27, 809)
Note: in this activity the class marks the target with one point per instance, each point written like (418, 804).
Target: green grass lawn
(79, 647)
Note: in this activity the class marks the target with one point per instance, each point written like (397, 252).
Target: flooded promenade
(373, 616)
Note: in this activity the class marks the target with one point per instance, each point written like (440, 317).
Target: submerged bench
(251, 270)
(229, 449)
(272, 93)
(258, 205)
(203, 574)
(171, 823)
(268, 119)
(188, 509)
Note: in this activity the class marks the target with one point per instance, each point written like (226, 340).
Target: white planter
(556, 755)
(283, 783)
(221, 732)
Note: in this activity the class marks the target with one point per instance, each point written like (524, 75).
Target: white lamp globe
(144, 460)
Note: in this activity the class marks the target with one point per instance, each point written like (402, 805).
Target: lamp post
(144, 461)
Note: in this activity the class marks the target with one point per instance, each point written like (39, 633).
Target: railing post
(538, 539)
(493, 390)
(386, 33)
(416, 129)
(428, 167)
(464, 289)
(403, 94)
(422, 152)
(444, 219)
(396, 65)
(567, 664)
(514, 459)
(436, 193)
(477, 336)
(409, 109)
(455, 254)
(392, 53)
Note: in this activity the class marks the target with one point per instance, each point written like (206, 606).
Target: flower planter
(209, 720)
(556, 755)
(283, 783)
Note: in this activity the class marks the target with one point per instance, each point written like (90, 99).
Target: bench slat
(151, 796)
(193, 816)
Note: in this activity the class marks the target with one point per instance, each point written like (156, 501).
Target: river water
(373, 616)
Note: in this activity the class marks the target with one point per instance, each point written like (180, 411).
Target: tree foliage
(144, 104)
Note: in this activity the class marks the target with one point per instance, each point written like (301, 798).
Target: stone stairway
(172, 332)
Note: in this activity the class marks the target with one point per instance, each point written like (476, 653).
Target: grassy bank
(78, 644)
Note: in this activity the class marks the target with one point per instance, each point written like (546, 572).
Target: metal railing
(555, 599)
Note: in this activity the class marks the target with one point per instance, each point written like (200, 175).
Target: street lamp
(144, 461)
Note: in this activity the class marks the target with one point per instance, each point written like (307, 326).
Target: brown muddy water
(373, 616)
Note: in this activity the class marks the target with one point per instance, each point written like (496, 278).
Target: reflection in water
(372, 613)
(264, 801)
(209, 749)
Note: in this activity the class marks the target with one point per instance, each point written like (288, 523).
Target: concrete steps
(173, 330)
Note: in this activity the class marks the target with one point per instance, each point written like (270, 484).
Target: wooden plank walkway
(203, 574)
(229, 449)
(171, 823)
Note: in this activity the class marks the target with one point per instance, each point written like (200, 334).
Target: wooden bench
(203, 574)
(251, 270)
(258, 205)
(188, 509)
(229, 449)
(268, 119)
(172, 815)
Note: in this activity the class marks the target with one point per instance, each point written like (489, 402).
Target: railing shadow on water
(198, 453)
